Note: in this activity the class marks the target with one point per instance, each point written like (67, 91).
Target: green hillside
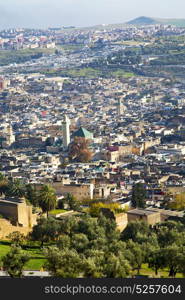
(150, 21)
(142, 21)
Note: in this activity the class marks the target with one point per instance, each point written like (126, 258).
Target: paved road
(28, 273)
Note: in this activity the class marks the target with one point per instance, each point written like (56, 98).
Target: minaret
(120, 108)
(10, 136)
(66, 132)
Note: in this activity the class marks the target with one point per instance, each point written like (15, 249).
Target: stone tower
(120, 108)
(10, 137)
(66, 132)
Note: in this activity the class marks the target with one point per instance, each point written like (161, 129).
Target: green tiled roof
(82, 132)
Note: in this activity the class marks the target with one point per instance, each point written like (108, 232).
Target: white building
(66, 132)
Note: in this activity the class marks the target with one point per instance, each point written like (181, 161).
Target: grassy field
(121, 73)
(145, 271)
(89, 73)
(37, 260)
(57, 211)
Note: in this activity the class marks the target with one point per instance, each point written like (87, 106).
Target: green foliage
(16, 188)
(93, 247)
(16, 238)
(47, 198)
(3, 184)
(69, 225)
(156, 260)
(32, 195)
(94, 264)
(117, 266)
(14, 261)
(1, 176)
(90, 72)
(46, 230)
(80, 242)
(174, 257)
(71, 202)
(95, 208)
(135, 255)
(178, 203)
(66, 263)
(139, 195)
(21, 56)
(64, 242)
(133, 229)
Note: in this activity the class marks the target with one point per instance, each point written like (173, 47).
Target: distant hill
(151, 21)
(142, 21)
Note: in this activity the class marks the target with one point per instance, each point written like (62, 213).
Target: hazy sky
(46, 13)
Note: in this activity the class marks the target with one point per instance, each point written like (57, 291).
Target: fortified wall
(17, 211)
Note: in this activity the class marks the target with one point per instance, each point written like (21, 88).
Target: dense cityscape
(92, 151)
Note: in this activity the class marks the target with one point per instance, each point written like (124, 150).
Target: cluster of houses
(134, 137)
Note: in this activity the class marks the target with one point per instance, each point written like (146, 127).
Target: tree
(173, 257)
(47, 198)
(71, 202)
(32, 195)
(90, 227)
(79, 242)
(116, 266)
(14, 261)
(133, 229)
(66, 263)
(85, 156)
(169, 233)
(110, 229)
(64, 242)
(69, 226)
(16, 238)
(135, 255)
(79, 150)
(16, 189)
(94, 264)
(46, 230)
(139, 195)
(156, 260)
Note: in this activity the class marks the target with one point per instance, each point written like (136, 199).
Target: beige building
(17, 211)
(79, 191)
(121, 219)
(150, 217)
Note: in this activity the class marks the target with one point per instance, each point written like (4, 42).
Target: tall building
(10, 137)
(66, 132)
(120, 108)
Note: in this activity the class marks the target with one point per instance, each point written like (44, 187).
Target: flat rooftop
(166, 212)
(141, 212)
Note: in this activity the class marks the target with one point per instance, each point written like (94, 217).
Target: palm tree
(47, 198)
(16, 189)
